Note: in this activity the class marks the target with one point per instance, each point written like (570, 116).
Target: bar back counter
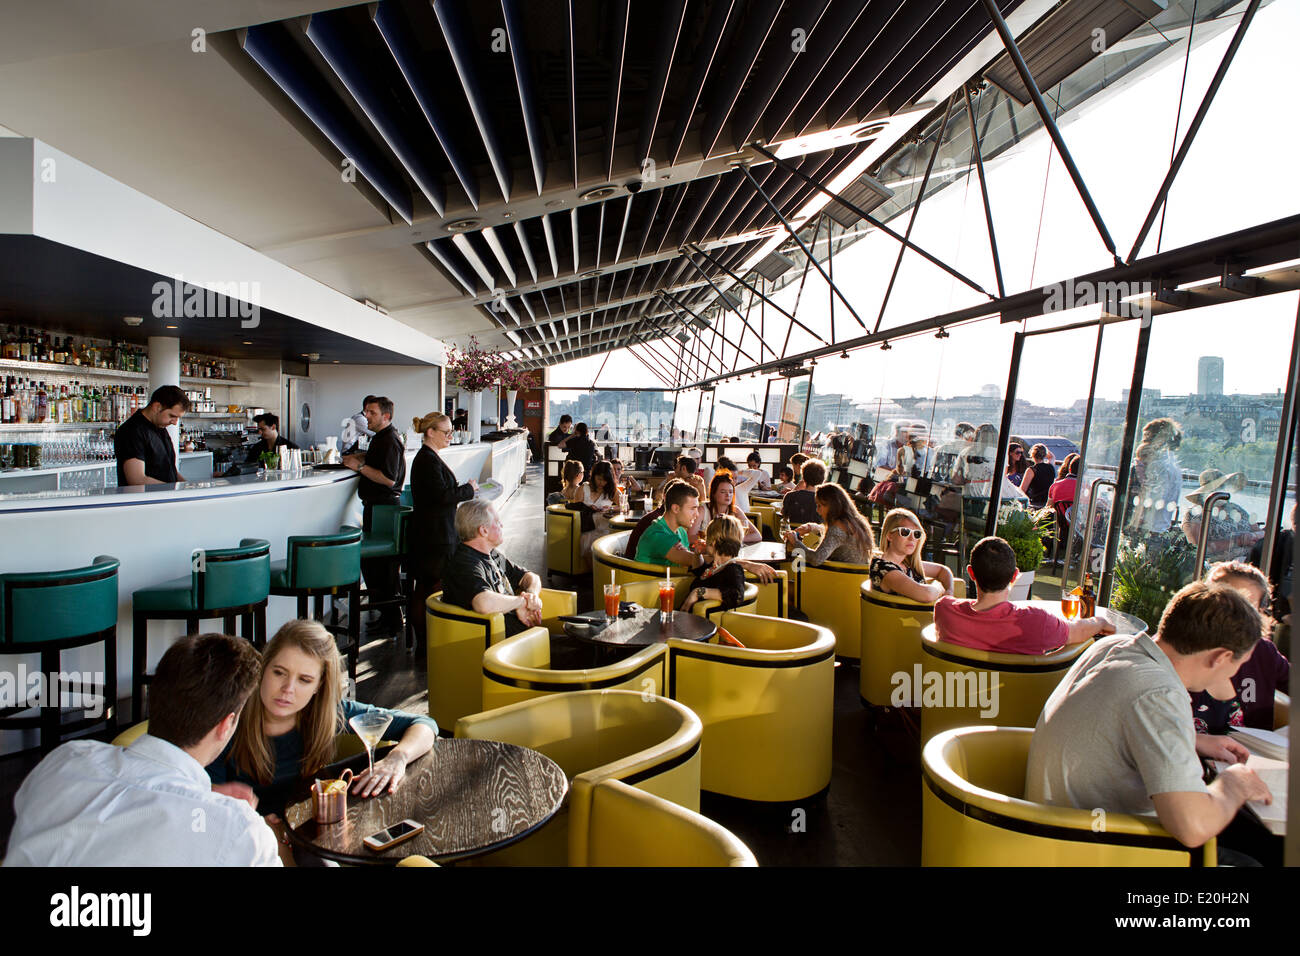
(155, 530)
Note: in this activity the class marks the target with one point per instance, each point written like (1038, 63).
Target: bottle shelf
(56, 426)
(80, 372)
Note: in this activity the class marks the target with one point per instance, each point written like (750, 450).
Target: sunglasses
(910, 533)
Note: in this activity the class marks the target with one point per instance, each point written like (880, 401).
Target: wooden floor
(870, 816)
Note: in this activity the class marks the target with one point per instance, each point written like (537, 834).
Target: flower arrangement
(475, 369)
(516, 379)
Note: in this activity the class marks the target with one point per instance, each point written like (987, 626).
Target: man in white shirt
(151, 804)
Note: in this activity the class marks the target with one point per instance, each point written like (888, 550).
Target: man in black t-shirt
(563, 431)
(383, 472)
(482, 579)
(268, 426)
(145, 452)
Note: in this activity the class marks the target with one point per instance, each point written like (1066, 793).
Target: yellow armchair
(519, 668)
(973, 813)
(994, 689)
(767, 708)
(607, 558)
(564, 542)
(825, 594)
(629, 827)
(646, 741)
(457, 638)
(890, 627)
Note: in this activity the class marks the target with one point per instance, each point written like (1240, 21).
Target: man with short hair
(686, 470)
(888, 456)
(151, 803)
(649, 517)
(1116, 733)
(271, 440)
(667, 540)
(991, 622)
(481, 578)
(563, 432)
(383, 472)
(145, 452)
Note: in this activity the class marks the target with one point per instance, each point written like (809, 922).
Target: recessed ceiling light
(248, 342)
(599, 192)
(132, 320)
(555, 203)
(170, 326)
(464, 225)
(592, 274)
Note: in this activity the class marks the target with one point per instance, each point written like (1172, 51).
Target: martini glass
(370, 727)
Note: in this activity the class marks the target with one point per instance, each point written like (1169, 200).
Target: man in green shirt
(666, 541)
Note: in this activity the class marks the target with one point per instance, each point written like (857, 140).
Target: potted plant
(269, 460)
(476, 370)
(1148, 575)
(1021, 530)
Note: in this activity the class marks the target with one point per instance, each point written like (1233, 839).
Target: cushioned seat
(1015, 686)
(564, 542)
(519, 668)
(457, 638)
(226, 583)
(826, 595)
(648, 742)
(629, 827)
(46, 613)
(607, 557)
(973, 813)
(767, 708)
(891, 639)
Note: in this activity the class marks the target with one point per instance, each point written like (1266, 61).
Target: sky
(1122, 146)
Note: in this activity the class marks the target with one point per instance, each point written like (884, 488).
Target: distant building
(1209, 375)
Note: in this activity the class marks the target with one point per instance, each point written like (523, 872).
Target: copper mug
(331, 805)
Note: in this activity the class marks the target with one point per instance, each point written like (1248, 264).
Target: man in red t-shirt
(992, 623)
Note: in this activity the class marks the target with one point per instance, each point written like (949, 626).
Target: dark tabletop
(644, 629)
(471, 795)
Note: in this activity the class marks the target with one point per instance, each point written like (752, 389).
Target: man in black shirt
(383, 472)
(561, 434)
(269, 428)
(144, 448)
(481, 578)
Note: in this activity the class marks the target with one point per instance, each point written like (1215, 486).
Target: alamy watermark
(1130, 300)
(81, 690)
(179, 299)
(960, 689)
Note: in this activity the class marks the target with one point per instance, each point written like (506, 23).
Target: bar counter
(154, 530)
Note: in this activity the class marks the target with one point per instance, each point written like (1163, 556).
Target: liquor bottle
(7, 401)
(41, 407)
(1088, 599)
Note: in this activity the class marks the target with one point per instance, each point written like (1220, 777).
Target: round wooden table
(625, 522)
(644, 629)
(1124, 623)
(472, 796)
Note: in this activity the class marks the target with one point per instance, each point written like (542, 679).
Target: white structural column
(165, 369)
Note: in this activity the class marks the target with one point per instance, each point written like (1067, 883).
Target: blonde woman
(288, 728)
(898, 569)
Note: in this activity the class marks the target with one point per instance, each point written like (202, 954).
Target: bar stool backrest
(324, 560)
(389, 522)
(232, 577)
(40, 606)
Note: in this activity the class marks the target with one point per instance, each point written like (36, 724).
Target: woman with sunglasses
(898, 569)
(1016, 465)
(435, 493)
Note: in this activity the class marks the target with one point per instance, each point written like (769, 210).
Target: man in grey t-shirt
(1117, 732)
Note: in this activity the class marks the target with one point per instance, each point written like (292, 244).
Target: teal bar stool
(48, 612)
(386, 541)
(226, 583)
(320, 565)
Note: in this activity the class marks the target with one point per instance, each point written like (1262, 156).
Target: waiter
(145, 452)
(383, 472)
(268, 426)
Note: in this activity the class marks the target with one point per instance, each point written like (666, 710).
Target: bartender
(143, 446)
(268, 426)
(383, 472)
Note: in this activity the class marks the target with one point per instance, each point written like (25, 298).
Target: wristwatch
(699, 593)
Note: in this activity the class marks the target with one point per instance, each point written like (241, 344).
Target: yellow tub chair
(607, 558)
(457, 638)
(629, 827)
(519, 668)
(826, 594)
(647, 741)
(563, 542)
(1023, 683)
(767, 708)
(890, 628)
(973, 813)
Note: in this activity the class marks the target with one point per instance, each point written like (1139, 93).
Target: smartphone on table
(397, 833)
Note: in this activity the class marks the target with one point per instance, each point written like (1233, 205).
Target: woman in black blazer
(435, 494)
